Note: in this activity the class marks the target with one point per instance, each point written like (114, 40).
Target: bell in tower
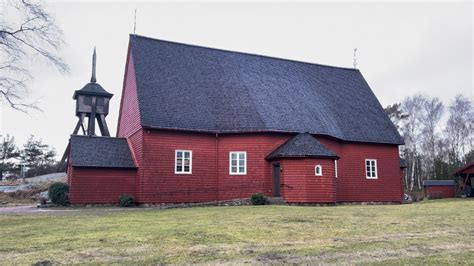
(92, 102)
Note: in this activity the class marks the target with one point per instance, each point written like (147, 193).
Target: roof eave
(270, 158)
(104, 167)
(148, 127)
(76, 92)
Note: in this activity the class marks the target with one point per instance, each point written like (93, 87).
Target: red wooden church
(199, 124)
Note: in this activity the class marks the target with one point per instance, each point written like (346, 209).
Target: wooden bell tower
(92, 102)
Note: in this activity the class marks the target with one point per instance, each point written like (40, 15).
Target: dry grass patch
(23, 196)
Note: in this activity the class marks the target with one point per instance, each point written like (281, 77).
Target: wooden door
(276, 179)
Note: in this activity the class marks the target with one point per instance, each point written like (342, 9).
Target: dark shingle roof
(189, 87)
(301, 145)
(438, 183)
(92, 88)
(91, 151)
(462, 169)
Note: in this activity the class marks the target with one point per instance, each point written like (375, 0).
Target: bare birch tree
(459, 128)
(412, 132)
(432, 111)
(27, 32)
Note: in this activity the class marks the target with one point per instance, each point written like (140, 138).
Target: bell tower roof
(93, 88)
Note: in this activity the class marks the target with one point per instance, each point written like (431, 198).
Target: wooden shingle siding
(129, 125)
(136, 142)
(129, 119)
(301, 185)
(161, 184)
(210, 179)
(156, 182)
(100, 185)
(259, 172)
(352, 184)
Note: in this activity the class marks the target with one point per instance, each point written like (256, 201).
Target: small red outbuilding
(465, 176)
(100, 170)
(438, 189)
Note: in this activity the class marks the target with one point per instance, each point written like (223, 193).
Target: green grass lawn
(436, 231)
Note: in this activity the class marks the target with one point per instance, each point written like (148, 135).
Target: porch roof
(301, 145)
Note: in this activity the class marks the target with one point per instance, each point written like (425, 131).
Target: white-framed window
(238, 163)
(318, 170)
(335, 168)
(371, 168)
(183, 162)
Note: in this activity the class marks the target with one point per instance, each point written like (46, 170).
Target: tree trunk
(419, 176)
(406, 179)
(412, 178)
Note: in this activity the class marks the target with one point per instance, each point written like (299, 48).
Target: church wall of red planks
(100, 185)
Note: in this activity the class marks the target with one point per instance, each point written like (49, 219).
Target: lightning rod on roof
(355, 58)
(135, 22)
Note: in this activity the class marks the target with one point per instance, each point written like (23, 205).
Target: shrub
(59, 193)
(126, 200)
(258, 199)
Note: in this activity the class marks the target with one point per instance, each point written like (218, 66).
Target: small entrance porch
(303, 171)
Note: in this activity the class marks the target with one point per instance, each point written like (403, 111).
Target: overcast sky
(403, 48)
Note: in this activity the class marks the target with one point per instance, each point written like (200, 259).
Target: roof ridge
(245, 53)
(99, 137)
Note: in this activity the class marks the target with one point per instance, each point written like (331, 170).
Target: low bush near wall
(125, 200)
(59, 193)
(258, 199)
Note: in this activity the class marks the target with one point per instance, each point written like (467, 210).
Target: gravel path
(32, 209)
(20, 209)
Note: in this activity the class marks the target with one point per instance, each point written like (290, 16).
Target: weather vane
(135, 22)
(355, 58)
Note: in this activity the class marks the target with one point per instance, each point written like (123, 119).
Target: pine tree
(8, 151)
(36, 153)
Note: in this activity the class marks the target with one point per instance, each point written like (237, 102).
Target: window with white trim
(371, 168)
(335, 168)
(318, 170)
(183, 162)
(238, 163)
